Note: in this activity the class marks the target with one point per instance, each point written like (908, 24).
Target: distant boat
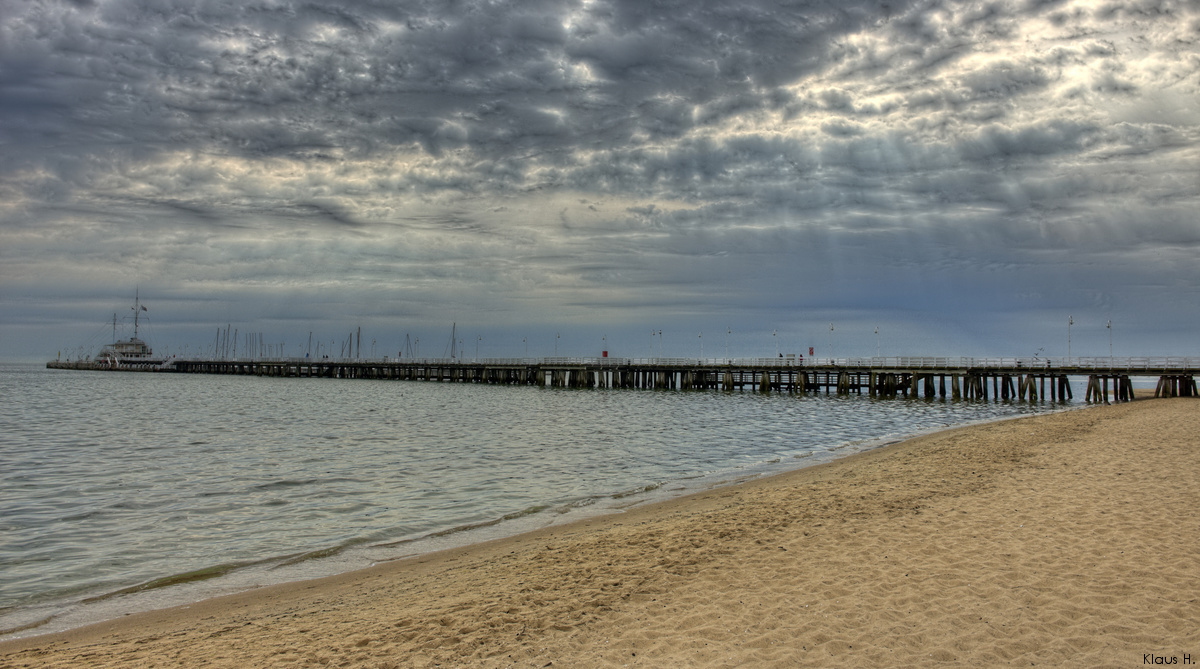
(132, 351)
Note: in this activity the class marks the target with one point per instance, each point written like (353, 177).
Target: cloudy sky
(963, 176)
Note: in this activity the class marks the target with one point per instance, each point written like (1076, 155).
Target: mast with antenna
(136, 309)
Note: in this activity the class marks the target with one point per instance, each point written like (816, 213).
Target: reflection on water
(113, 483)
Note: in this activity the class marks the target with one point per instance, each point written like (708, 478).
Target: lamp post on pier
(831, 358)
(701, 337)
(1110, 355)
(876, 341)
(1070, 322)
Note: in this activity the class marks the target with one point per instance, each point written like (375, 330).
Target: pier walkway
(957, 378)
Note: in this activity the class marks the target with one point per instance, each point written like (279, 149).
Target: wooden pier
(1030, 379)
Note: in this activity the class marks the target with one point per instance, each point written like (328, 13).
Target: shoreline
(190, 588)
(816, 565)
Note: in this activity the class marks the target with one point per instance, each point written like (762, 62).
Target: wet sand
(1068, 539)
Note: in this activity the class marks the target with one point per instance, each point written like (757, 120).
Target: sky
(746, 178)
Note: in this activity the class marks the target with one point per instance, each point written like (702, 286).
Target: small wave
(131, 505)
(637, 491)
(175, 579)
(529, 511)
(492, 523)
(537, 508)
(319, 554)
(292, 483)
(27, 626)
(577, 504)
(83, 516)
(285, 483)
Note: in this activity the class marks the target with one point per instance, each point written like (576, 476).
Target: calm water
(119, 491)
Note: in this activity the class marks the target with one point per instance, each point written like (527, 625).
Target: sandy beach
(1066, 539)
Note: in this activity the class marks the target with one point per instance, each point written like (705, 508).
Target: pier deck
(958, 378)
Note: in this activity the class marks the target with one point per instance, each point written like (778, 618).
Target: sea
(126, 492)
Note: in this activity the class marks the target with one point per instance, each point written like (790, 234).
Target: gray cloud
(613, 161)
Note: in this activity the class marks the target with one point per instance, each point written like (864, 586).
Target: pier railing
(1010, 377)
(932, 363)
